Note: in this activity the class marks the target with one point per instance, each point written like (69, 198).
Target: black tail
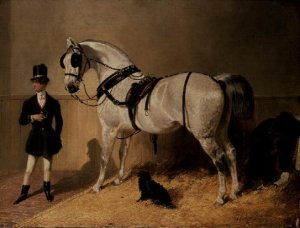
(241, 94)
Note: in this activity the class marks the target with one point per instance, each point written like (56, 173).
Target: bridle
(106, 85)
(112, 80)
(76, 61)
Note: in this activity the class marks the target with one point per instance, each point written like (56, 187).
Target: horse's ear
(71, 42)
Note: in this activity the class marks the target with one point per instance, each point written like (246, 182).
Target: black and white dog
(152, 190)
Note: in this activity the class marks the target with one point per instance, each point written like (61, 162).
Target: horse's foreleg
(108, 139)
(122, 155)
(217, 155)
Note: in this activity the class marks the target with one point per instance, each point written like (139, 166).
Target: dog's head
(144, 175)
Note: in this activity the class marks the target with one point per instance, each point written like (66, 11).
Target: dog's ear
(144, 175)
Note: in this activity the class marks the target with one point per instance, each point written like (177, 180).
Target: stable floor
(193, 192)
(64, 185)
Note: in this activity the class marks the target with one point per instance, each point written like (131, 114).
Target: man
(43, 140)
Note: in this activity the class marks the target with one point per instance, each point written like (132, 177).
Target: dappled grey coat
(43, 140)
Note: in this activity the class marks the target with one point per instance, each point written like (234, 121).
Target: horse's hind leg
(122, 155)
(224, 141)
(108, 139)
(217, 155)
(231, 162)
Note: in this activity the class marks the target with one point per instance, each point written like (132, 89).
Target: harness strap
(112, 99)
(114, 79)
(132, 114)
(183, 98)
(149, 92)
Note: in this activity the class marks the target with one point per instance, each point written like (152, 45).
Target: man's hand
(38, 117)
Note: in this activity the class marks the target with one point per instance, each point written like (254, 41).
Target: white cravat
(41, 97)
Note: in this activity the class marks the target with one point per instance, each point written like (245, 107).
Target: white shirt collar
(41, 94)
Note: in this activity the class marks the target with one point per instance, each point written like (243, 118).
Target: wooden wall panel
(82, 143)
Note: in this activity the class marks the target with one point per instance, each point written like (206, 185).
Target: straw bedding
(193, 193)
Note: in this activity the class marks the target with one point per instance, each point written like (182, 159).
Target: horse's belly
(204, 105)
(156, 124)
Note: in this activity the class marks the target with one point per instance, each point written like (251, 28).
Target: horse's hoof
(118, 181)
(233, 196)
(96, 188)
(219, 202)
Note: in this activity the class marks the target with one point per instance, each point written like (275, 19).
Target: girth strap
(183, 98)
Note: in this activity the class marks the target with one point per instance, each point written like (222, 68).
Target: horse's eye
(76, 60)
(61, 61)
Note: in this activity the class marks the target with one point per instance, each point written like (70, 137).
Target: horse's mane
(106, 44)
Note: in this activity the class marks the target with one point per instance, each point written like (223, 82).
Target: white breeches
(31, 162)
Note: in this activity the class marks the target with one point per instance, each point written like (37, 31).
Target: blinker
(61, 61)
(76, 60)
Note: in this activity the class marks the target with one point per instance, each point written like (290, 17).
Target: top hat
(40, 73)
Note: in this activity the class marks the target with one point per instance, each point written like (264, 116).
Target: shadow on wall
(88, 173)
(185, 154)
(239, 133)
(191, 156)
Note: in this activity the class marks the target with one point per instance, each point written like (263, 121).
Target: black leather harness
(113, 80)
(135, 94)
(137, 91)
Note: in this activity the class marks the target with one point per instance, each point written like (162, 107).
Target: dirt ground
(193, 192)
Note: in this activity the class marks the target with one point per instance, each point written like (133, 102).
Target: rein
(107, 84)
(113, 80)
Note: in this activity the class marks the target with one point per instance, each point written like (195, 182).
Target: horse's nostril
(72, 89)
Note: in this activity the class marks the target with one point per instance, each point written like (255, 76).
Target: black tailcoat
(43, 140)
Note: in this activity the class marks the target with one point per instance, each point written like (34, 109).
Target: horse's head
(74, 62)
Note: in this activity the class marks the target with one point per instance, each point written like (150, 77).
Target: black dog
(152, 190)
(273, 144)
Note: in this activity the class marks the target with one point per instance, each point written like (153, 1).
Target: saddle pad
(136, 93)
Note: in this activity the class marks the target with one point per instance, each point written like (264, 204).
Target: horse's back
(204, 100)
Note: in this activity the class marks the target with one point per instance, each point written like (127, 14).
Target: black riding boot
(46, 188)
(23, 195)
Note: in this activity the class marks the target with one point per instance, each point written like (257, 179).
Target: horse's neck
(113, 58)
(107, 54)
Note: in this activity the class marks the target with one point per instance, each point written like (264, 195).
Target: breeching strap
(183, 98)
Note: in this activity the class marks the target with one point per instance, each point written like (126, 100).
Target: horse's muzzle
(72, 88)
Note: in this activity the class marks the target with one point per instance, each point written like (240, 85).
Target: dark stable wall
(257, 39)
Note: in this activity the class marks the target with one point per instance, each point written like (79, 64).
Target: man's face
(38, 87)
